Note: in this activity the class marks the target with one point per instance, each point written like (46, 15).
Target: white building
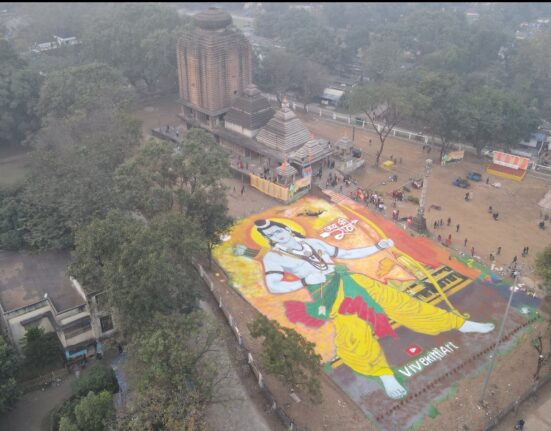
(35, 291)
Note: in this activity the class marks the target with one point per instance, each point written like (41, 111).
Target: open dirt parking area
(516, 202)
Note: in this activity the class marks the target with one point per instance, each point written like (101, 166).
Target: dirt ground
(516, 228)
(516, 202)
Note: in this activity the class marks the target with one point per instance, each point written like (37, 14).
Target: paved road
(32, 408)
(239, 412)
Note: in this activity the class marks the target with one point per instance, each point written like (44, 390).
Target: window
(106, 323)
(76, 328)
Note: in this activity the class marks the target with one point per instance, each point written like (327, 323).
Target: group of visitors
(440, 223)
(494, 214)
(333, 180)
(368, 197)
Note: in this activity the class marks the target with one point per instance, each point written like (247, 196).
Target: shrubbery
(97, 379)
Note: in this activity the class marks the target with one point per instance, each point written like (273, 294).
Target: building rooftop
(212, 19)
(284, 132)
(26, 278)
(311, 152)
(251, 110)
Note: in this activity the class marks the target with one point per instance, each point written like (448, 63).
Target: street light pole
(500, 334)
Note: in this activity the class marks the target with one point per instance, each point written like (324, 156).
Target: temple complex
(214, 67)
(269, 142)
(274, 149)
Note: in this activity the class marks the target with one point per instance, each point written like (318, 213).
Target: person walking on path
(514, 259)
(449, 221)
(472, 251)
(465, 245)
(435, 224)
(491, 257)
(498, 250)
(457, 228)
(441, 223)
(520, 425)
(525, 252)
(242, 189)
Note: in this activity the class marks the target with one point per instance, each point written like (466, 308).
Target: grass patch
(14, 165)
(433, 412)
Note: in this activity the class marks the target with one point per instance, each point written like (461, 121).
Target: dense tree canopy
(19, 94)
(84, 89)
(289, 356)
(40, 348)
(138, 40)
(70, 181)
(177, 375)
(280, 72)
(144, 268)
(9, 365)
(385, 106)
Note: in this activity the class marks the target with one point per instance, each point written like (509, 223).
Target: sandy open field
(516, 202)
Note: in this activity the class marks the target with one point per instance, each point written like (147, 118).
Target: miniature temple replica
(345, 159)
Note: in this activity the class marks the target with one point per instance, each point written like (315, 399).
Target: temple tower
(214, 67)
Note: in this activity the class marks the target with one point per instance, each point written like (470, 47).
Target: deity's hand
(385, 243)
(315, 278)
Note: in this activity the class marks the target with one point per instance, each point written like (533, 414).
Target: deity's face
(277, 234)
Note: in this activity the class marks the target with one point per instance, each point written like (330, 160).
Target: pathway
(33, 408)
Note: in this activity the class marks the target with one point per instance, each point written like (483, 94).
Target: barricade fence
(285, 419)
(493, 422)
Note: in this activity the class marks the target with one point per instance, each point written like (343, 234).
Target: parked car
(460, 182)
(474, 176)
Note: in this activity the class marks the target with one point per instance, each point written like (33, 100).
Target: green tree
(19, 94)
(151, 181)
(382, 59)
(70, 180)
(280, 72)
(95, 412)
(176, 371)
(209, 209)
(129, 37)
(98, 378)
(385, 106)
(482, 117)
(9, 366)
(65, 424)
(161, 68)
(303, 34)
(543, 267)
(84, 89)
(40, 348)
(429, 28)
(436, 106)
(144, 268)
(145, 183)
(289, 356)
